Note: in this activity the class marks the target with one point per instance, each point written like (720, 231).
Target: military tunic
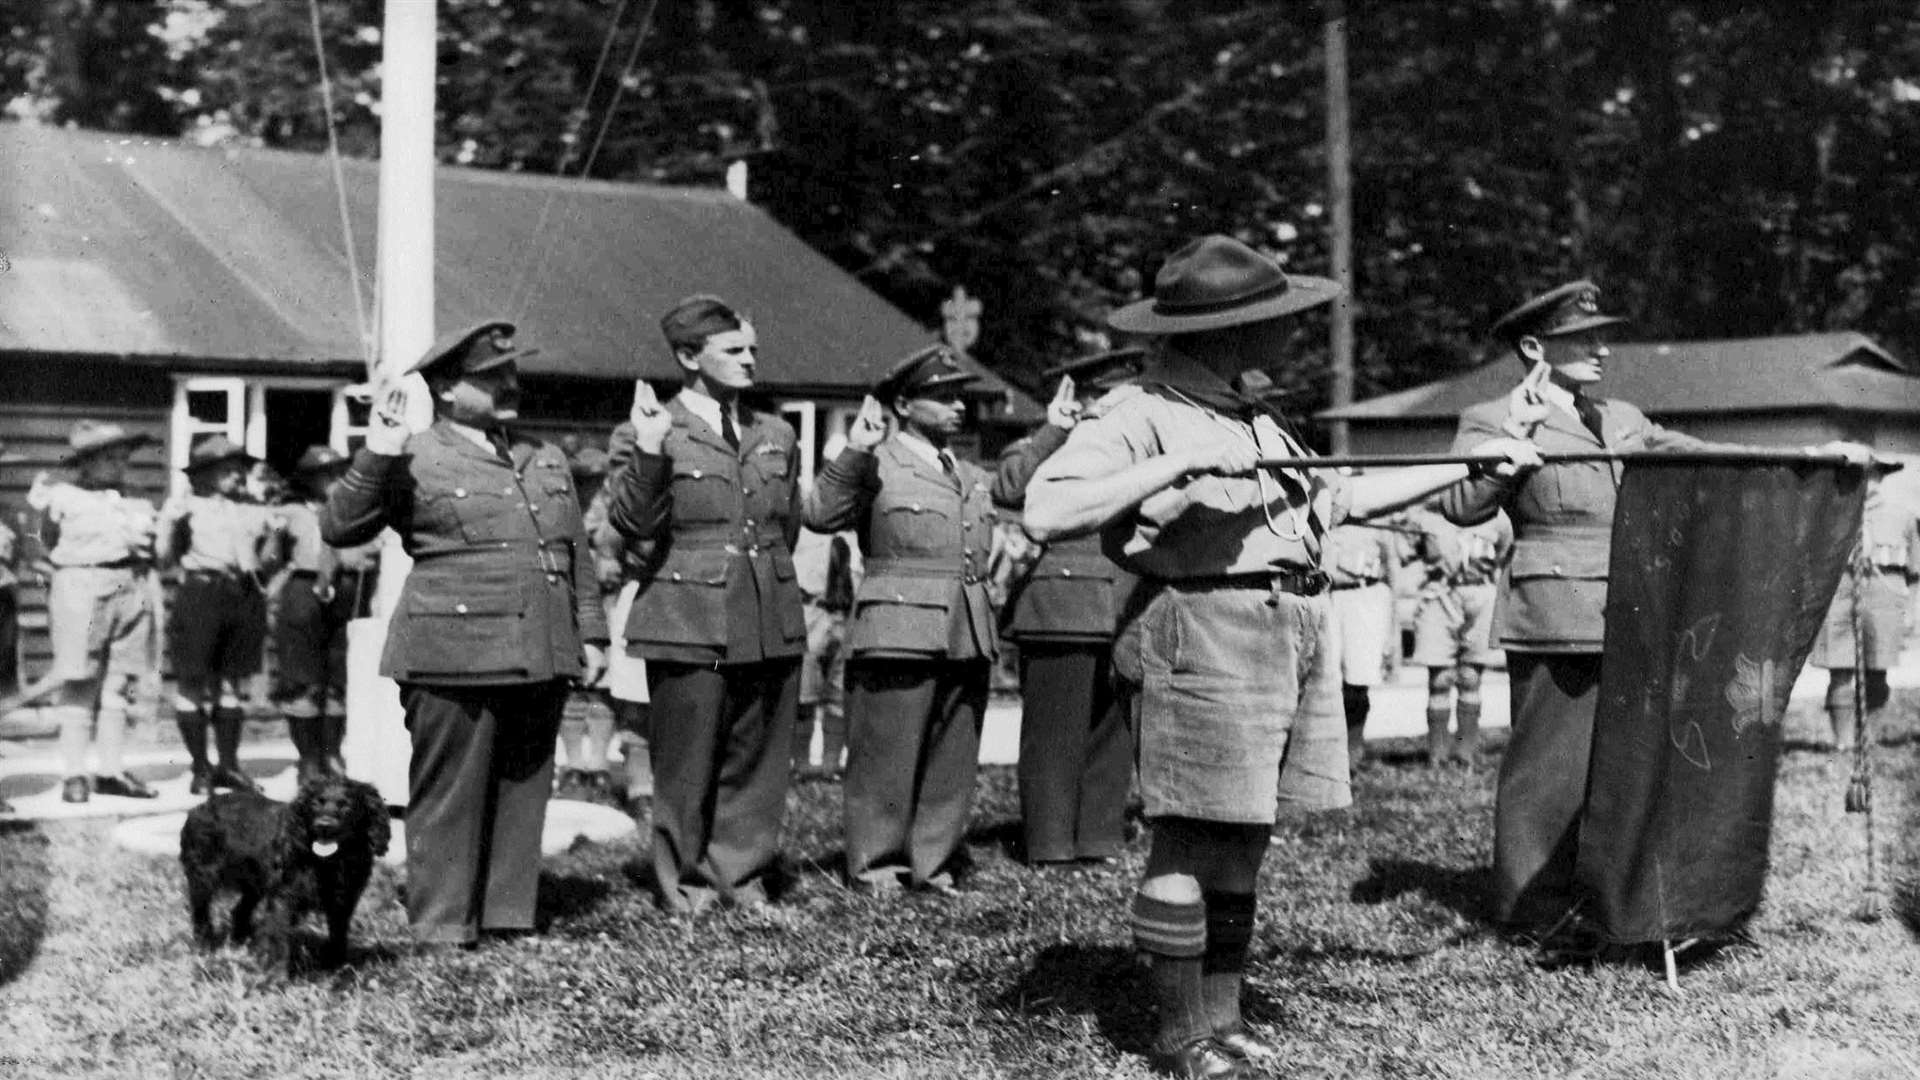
(488, 629)
(1549, 618)
(1076, 752)
(922, 643)
(717, 618)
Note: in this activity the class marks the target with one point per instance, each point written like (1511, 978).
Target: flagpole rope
(361, 322)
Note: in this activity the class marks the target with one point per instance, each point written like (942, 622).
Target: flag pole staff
(1660, 457)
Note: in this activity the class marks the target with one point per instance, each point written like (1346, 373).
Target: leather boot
(226, 741)
(305, 733)
(1466, 744)
(333, 735)
(193, 735)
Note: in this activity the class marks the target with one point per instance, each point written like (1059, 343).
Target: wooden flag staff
(1648, 457)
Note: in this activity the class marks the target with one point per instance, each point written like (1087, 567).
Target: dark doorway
(296, 419)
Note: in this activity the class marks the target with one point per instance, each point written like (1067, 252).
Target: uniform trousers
(1542, 788)
(477, 801)
(1076, 753)
(913, 745)
(719, 746)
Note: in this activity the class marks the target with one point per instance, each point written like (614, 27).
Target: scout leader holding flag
(713, 484)
(923, 639)
(1229, 645)
(498, 617)
(1076, 749)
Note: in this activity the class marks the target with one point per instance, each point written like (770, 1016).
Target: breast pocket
(473, 627)
(685, 602)
(481, 514)
(559, 505)
(911, 528)
(902, 614)
(701, 495)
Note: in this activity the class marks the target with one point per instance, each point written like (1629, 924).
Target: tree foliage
(1722, 168)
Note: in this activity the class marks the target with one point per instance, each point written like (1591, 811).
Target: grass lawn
(1371, 960)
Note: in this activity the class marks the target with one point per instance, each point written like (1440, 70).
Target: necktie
(952, 470)
(498, 439)
(1589, 415)
(727, 430)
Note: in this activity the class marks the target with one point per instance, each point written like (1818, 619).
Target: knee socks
(193, 735)
(1224, 964)
(226, 736)
(1174, 937)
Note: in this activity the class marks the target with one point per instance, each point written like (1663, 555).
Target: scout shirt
(217, 535)
(1201, 526)
(1357, 555)
(927, 535)
(1458, 556)
(1073, 592)
(720, 585)
(1562, 516)
(92, 526)
(502, 588)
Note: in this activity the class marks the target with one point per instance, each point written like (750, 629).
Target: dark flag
(1720, 577)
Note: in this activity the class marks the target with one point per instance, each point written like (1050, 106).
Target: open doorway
(296, 418)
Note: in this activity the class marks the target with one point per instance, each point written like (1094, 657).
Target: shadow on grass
(1084, 980)
(564, 897)
(1461, 891)
(1004, 833)
(25, 868)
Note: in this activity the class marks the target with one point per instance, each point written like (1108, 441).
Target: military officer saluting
(498, 615)
(712, 483)
(1076, 754)
(922, 641)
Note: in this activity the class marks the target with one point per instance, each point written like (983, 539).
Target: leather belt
(1297, 582)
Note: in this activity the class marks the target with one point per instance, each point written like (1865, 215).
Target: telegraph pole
(1340, 212)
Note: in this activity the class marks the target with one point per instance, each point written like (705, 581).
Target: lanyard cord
(1251, 433)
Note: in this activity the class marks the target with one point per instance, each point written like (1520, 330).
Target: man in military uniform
(226, 549)
(1880, 578)
(1076, 753)
(1360, 560)
(713, 483)
(324, 588)
(498, 615)
(1228, 646)
(923, 639)
(1550, 613)
(1453, 626)
(99, 605)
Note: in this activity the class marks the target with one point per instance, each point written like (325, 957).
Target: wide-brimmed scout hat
(1102, 370)
(931, 369)
(475, 349)
(214, 451)
(88, 437)
(1216, 282)
(1569, 309)
(318, 459)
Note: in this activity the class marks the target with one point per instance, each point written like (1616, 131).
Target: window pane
(208, 406)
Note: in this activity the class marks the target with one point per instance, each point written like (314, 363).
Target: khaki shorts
(1455, 629)
(1883, 623)
(1237, 703)
(101, 623)
(1363, 618)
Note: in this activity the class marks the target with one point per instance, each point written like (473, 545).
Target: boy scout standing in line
(1228, 647)
(324, 589)
(828, 570)
(1883, 571)
(923, 639)
(1453, 627)
(713, 483)
(497, 616)
(1076, 751)
(586, 727)
(1360, 561)
(225, 549)
(99, 608)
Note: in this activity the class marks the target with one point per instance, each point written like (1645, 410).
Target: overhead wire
(361, 320)
(572, 138)
(531, 277)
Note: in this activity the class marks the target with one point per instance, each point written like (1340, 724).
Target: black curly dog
(314, 853)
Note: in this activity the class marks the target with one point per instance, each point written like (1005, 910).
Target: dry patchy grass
(1372, 960)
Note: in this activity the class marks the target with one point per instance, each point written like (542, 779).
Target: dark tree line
(1722, 168)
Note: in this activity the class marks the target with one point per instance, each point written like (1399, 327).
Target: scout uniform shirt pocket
(476, 628)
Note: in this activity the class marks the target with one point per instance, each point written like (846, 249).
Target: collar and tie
(1589, 415)
(728, 430)
(497, 438)
(951, 468)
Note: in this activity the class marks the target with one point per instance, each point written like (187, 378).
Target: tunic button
(746, 491)
(697, 474)
(460, 609)
(1066, 573)
(676, 575)
(915, 508)
(459, 493)
(1557, 572)
(899, 599)
(966, 524)
(553, 577)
